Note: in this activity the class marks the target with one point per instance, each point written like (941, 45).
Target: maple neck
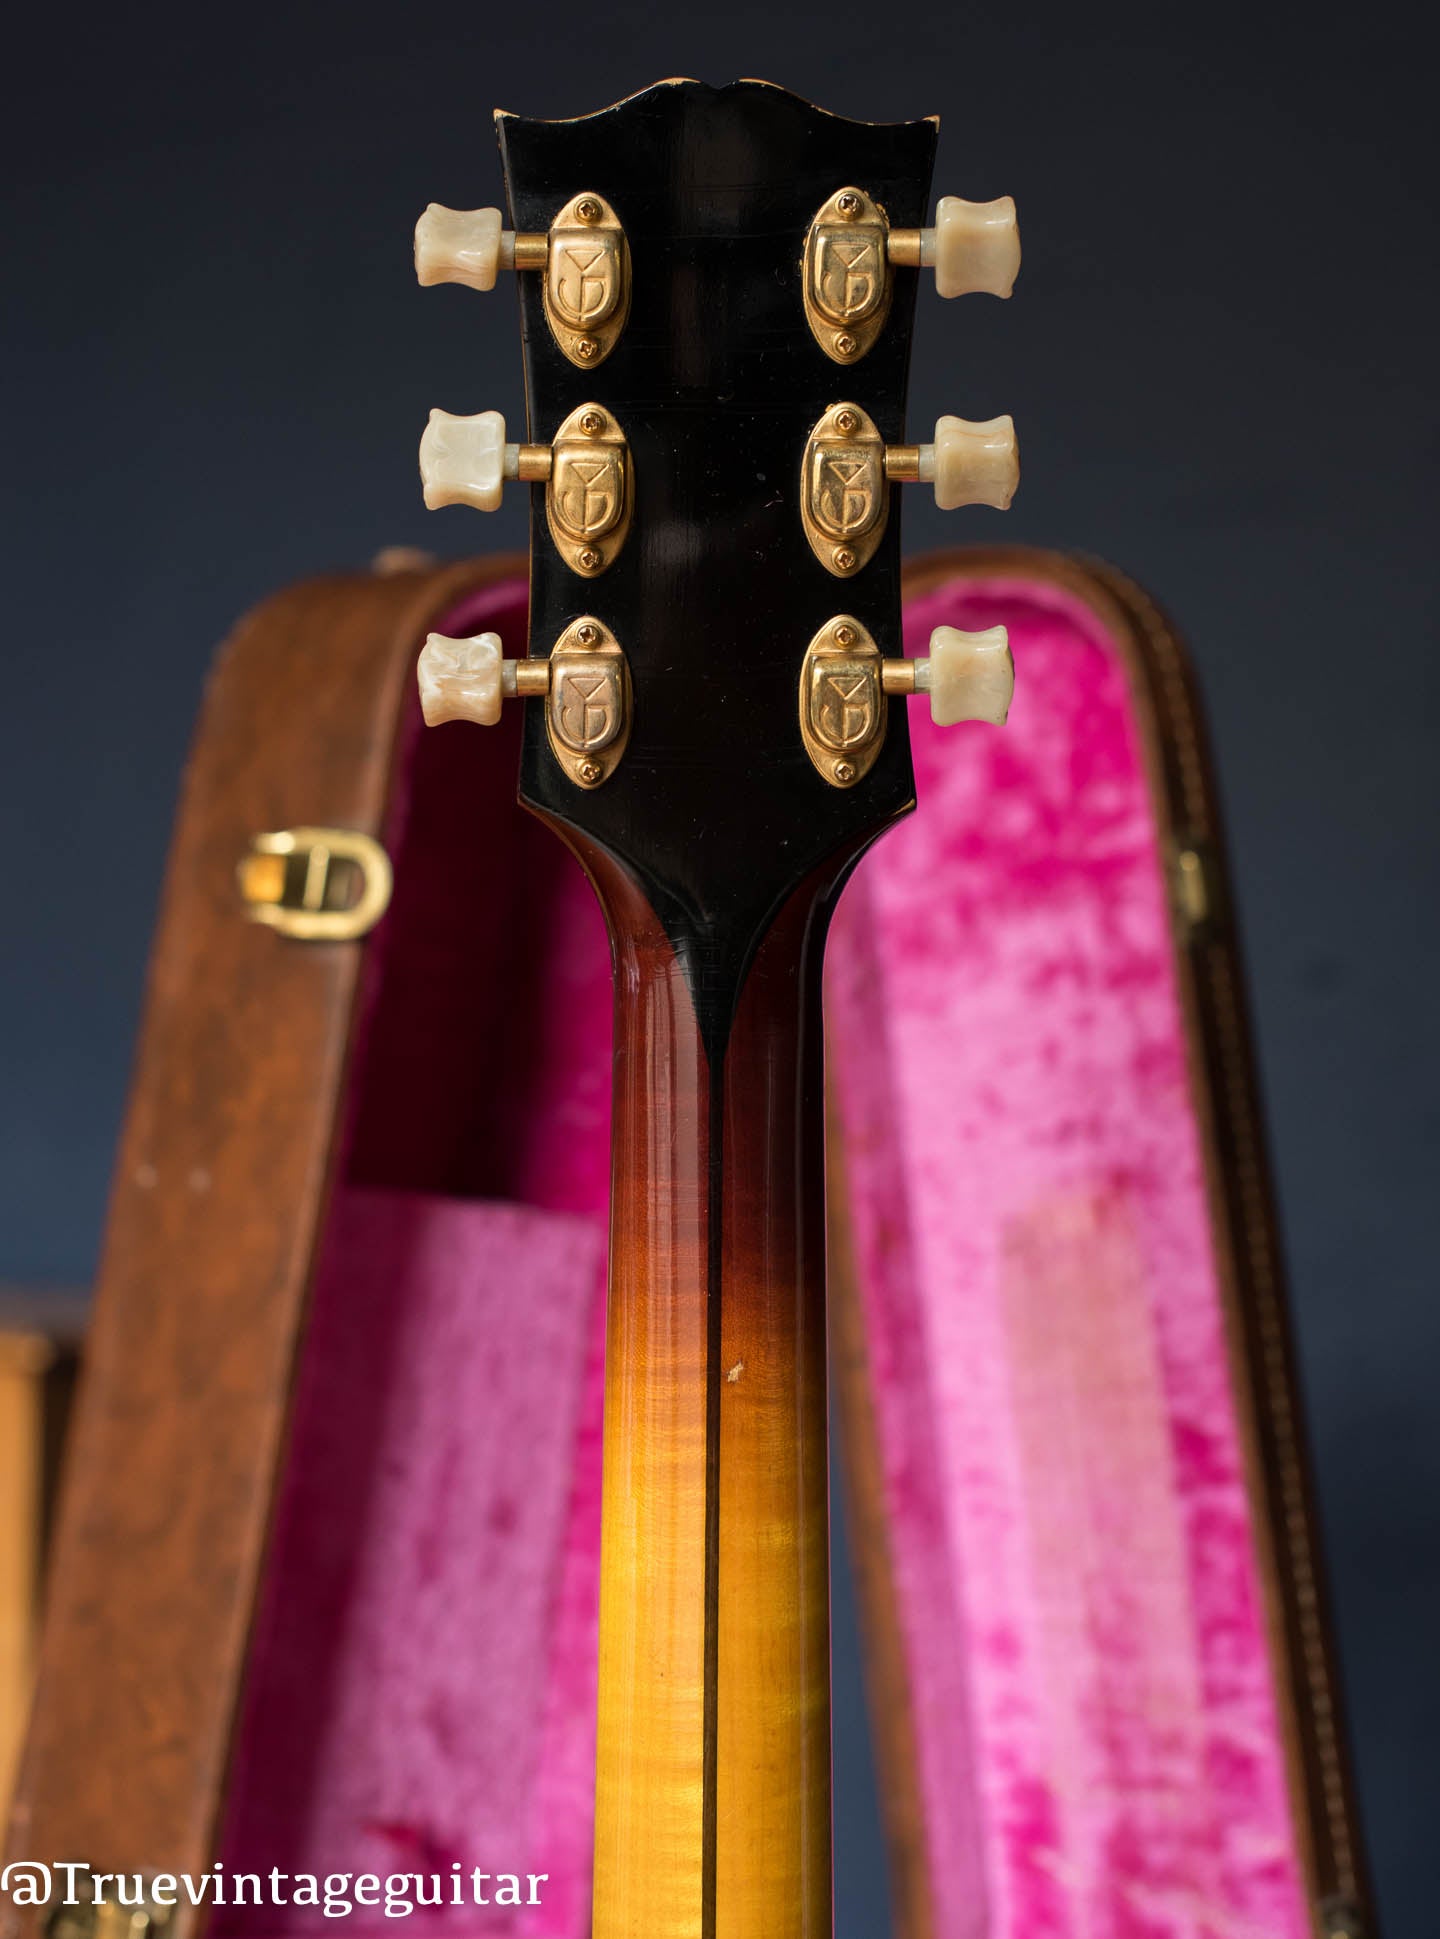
(713, 1763)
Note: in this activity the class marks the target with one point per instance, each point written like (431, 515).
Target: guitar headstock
(717, 290)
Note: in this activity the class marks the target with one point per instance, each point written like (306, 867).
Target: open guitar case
(323, 1592)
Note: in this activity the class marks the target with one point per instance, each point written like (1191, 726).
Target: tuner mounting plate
(588, 708)
(587, 279)
(844, 496)
(847, 280)
(587, 493)
(842, 701)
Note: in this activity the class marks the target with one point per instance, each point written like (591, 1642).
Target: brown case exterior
(218, 1204)
(216, 1209)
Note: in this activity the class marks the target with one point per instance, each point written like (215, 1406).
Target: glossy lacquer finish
(713, 1780)
(717, 382)
(717, 851)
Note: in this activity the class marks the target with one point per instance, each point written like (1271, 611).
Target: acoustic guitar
(717, 288)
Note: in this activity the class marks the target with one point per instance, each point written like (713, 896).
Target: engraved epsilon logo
(586, 707)
(849, 279)
(587, 490)
(584, 275)
(845, 488)
(844, 704)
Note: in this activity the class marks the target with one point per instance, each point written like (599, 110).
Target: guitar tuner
(584, 258)
(848, 469)
(585, 684)
(845, 683)
(851, 250)
(585, 470)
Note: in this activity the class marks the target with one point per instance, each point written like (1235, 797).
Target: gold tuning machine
(585, 472)
(584, 257)
(851, 252)
(845, 685)
(585, 684)
(848, 469)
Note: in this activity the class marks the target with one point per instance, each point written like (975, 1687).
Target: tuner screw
(844, 773)
(590, 560)
(845, 344)
(968, 676)
(591, 423)
(587, 633)
(588, 209)
(973, 246)
(844, 635)
(585, 348)
(844, 559)
(589, 771)
(848, 204)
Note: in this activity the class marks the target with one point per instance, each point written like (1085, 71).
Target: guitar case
(323, 1589)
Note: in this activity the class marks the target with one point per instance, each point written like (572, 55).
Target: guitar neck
(717, 287)
(713, 1802)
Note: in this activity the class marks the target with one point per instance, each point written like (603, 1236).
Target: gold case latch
(316, 884)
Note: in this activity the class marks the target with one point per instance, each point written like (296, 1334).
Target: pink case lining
(1081, 1618)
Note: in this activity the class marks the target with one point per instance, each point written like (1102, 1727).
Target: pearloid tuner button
(462, 246)
(465, 460)
(462, 679)
(972, 464)
(973, 246)
(467, 679)
(968, 676)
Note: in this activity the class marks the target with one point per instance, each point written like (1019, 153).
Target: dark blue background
(1220, 358)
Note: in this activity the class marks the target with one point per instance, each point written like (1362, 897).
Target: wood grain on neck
(713, 1770)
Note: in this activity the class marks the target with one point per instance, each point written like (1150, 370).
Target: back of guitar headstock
(717, 290)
